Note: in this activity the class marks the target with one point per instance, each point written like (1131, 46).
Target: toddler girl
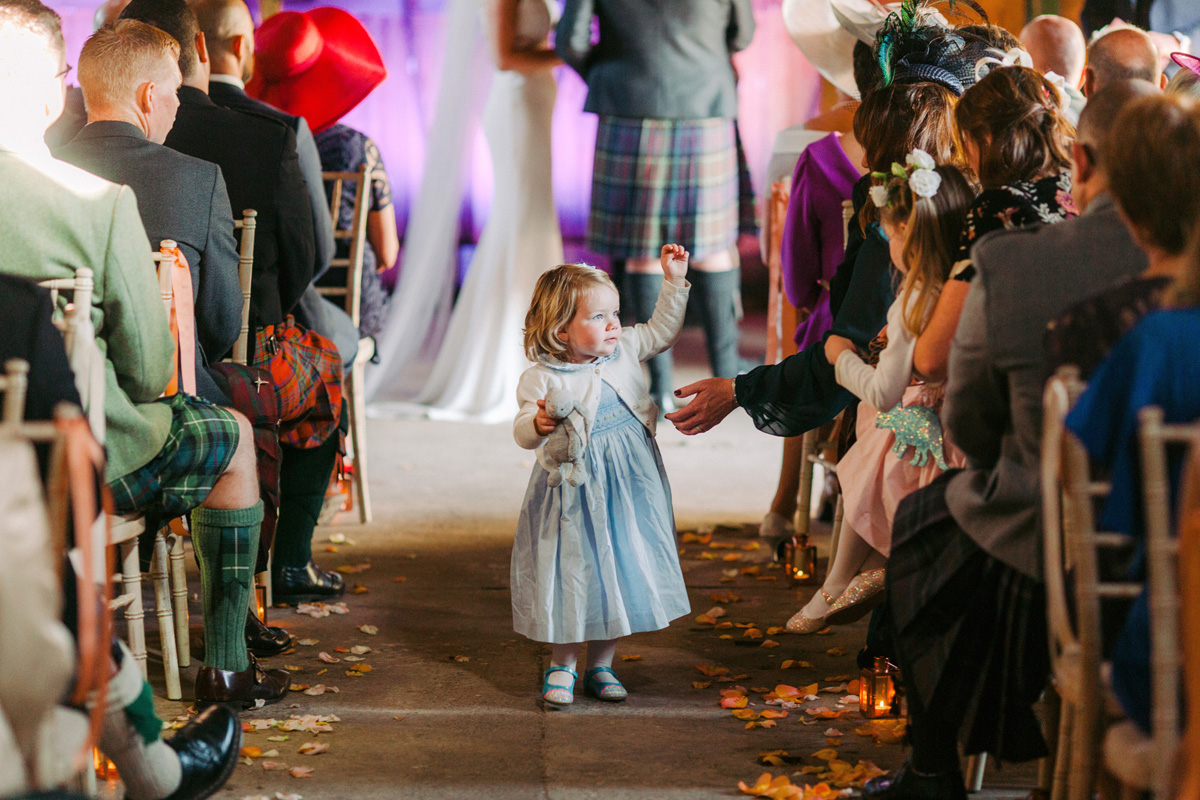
(922, 208)
(596, 561)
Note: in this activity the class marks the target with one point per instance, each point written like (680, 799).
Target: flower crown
(918, 169)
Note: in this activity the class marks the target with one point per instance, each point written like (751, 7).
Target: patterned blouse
(344, 149)
(1014, 205)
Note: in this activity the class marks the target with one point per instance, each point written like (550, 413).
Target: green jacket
(58, 218)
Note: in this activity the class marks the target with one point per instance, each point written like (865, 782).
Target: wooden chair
(1071, 547)
(1139, 762)
(79, 338)
(353, 386)
(247, 225)
(1189, 597)
(777, 301)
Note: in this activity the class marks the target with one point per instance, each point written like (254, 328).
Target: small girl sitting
(597, 561)
(899, 448)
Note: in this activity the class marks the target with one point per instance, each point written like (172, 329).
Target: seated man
(1121, 55)
(129, 74)
(129, 77)
(166, 456)
(257, 156)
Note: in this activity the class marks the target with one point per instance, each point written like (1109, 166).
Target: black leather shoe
(241, 689)
(906, 784)
(264, 641)
(298, 584)
(208, 749)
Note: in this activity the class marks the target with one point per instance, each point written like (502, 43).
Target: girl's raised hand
(543, 423)
(675, 263)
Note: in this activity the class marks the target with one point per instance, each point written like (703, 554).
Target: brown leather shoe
(243, 689)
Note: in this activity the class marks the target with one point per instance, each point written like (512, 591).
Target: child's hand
(675, 263)
(835, 346)
(543, 423)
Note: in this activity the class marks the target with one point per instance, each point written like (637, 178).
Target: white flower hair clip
(879, 196)
(919, 170)
(1015, 57)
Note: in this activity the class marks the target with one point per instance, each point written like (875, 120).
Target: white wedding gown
(481, 357)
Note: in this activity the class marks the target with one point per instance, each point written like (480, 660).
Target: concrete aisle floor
(450, 707)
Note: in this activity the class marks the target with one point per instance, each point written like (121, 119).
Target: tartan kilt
(657, 181)
(968, 631)
(196, 453)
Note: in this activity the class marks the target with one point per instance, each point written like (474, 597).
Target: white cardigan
(622, 371)
(882, 386)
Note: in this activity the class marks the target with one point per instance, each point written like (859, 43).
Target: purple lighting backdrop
(778, 88)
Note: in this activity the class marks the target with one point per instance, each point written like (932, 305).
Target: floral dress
(1014, 205)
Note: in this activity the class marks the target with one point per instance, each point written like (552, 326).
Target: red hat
(316, 64)
(1187, 61)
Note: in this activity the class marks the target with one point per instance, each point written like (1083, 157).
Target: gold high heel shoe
(860, 598)
(802, 624)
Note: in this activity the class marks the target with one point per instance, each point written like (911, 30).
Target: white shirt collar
(232, 80)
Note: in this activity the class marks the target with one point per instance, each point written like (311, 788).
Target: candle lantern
(260, 598)
(800, 559)
(877, 690)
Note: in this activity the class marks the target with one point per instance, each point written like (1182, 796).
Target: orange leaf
(769, 643)
(752, 633)
(836, 651)
(251, 752)
(775, 630)
(701, 684)
(725, 624)
(732, 557)
(827, 754)
(772, 713)
(705, 619)
(745, 713)
(631, 658)
(712, 671)
(736, 701)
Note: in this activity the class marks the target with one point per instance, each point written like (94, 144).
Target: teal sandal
(608, 691)
(558, 695)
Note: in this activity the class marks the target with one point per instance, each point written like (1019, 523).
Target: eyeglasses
(65, 72)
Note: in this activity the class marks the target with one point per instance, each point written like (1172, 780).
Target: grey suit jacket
(180, 198)
(993, 408)
(230, 96)
(657, 59)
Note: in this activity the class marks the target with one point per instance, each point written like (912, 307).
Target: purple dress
(813, 240)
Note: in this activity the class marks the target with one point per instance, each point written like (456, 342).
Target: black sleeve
(33, 337)
(297, 248)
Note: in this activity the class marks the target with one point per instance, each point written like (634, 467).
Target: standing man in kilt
(666, 168)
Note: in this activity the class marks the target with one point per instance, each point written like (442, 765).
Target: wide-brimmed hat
(826, 38)
(316, 64)
(1187, 61)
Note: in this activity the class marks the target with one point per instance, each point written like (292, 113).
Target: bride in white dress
(481, 358)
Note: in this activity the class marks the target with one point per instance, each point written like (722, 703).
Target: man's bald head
(107, 13)
(228, 31)
(1123, 54)
(1056, 44)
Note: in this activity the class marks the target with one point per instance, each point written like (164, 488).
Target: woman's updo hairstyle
(1015, 117)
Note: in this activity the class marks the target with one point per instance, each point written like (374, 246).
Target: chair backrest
(356, 235)
(79, 338)
(246, 225)
(1162, 549)
(776, 297)
(14, 383)
(1070, 544)
(175, 286)
(847, 217)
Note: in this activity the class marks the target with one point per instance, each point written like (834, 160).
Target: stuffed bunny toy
(564, 446)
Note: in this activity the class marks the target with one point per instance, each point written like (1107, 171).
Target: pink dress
(898, 450)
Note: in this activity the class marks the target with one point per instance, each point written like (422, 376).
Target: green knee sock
(303, 478)
(226, 544)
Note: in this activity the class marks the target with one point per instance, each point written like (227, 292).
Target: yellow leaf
(631, 658)
(360, 589)
(701, 684)
(291, 668)
(705, 619)
(810, 689)
(361, 668)
(752, 633)
(751, 546)
(732, 557)
(790, 664)
(725, 636)
(774, 761)
(712, 671)
(745, 713)
(769, 643)
(251, 752)
(775, 630)
(708, 555)
(827, 754)
(722, 545)
(696, 538)
(725, 624)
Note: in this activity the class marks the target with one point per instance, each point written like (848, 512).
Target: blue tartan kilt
(660, 181)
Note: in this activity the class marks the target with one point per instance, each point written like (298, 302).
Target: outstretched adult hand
(712, 403)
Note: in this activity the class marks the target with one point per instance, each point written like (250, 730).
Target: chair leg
(838, 512)
(166, 625)
(179, 601)
(358, 439)
(135, 613)
(1063, 752)
(804, 499)
(975, 767)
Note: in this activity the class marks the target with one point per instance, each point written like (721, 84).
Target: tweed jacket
(233, 96)
(657, 59)
(257, 156)
(622, 371)
(180, 198)
(59, 218)
(993, 407)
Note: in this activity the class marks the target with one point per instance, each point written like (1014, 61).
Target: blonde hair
(934, 224)
(555, 301)
(116, 61)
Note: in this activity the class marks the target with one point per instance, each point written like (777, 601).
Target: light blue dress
(599, 560)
